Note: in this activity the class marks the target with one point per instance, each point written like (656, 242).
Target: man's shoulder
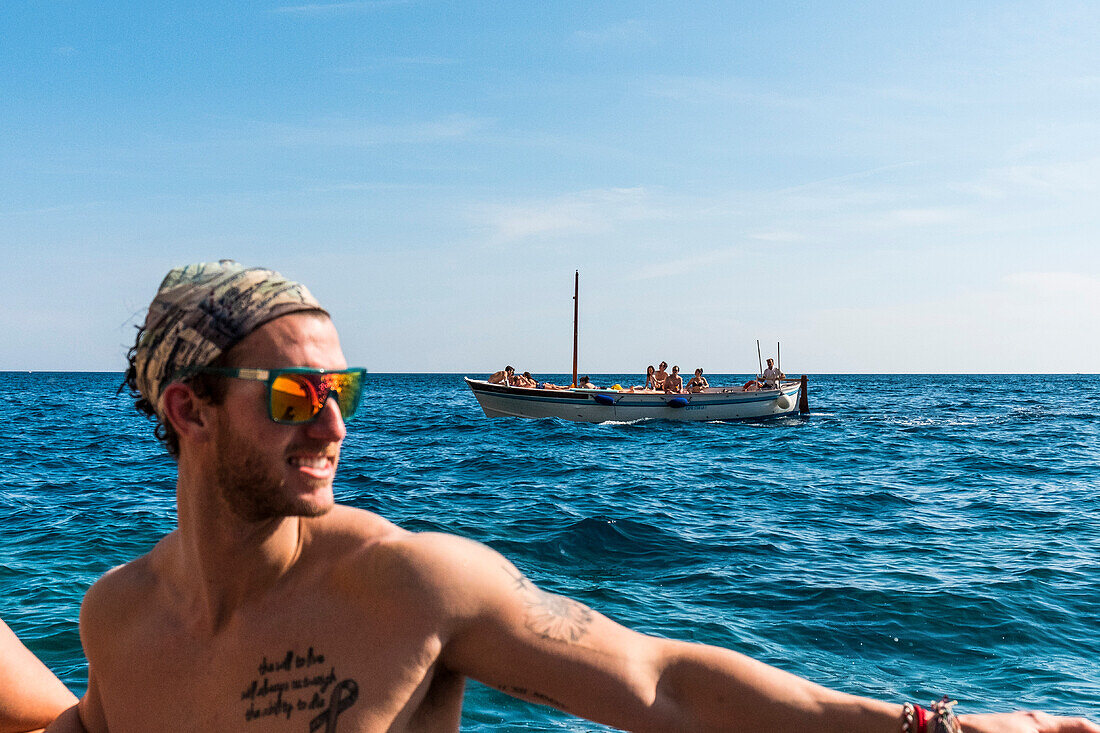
(119, 595)
(134, 578)
(372, 553)
(368, 536)
(346, 525)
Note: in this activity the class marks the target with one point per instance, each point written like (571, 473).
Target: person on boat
(272, 608)
(649, 382)
(585, 383)
(698, 382)
(771, 376)
(524, 380)
(504, 376)
(660, 376)
(31, 696)
(548, 385)
(674, 382)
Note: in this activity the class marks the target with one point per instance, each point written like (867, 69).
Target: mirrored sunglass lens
(293, 399)
(348, 387)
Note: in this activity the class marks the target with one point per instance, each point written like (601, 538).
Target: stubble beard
(253, 488)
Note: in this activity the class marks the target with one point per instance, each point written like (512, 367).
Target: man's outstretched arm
(31, 696)
(549, 649)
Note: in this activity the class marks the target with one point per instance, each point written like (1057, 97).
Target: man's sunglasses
(297, 395)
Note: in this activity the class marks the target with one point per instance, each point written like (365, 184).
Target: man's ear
(188, 413)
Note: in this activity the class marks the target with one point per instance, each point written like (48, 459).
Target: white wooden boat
(603, 405)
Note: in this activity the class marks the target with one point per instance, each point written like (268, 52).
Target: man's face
(770, 363)
(266, 470)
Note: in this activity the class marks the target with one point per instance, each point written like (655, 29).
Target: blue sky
(881, 187)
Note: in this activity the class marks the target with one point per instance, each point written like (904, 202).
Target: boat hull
(603, 405)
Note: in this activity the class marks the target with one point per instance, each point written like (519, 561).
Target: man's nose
(329, 423)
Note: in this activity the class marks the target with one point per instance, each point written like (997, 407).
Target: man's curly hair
(210, 387)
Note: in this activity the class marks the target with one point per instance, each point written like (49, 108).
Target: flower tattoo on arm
(552, 617)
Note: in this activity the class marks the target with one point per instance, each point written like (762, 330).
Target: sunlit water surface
(913, 535)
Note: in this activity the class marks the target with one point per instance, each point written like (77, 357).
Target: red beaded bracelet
(941, 719)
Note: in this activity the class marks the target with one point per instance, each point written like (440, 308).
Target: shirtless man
(585, 383)
(674, 382)
(698, 382)
(270, 608)
(504, 376)
(660, 376)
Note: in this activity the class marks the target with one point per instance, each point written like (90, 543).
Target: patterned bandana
(202, 310)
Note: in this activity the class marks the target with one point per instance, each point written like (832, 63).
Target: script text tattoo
(293, 684)
(531, 695)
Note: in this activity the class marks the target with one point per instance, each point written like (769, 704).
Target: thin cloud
(683, 265)
(58, 209)
(917, 217)
(629, 32)
(398, 61)
(353, 133)
(1058, 178)
(907, 95)
(1058, 285)
(846, 177)
(703, 90)
(777, 236)
(1079, 84)
(584, 212)
(335, 8)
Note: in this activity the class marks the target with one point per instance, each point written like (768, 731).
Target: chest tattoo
(299, 685)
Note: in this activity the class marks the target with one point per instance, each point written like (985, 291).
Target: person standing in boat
(505, 376)
(772, 376)
(697, 383)
(674, 382)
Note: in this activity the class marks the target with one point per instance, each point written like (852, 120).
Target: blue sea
(912, 535)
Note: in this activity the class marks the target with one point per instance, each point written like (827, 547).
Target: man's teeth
(317, 462)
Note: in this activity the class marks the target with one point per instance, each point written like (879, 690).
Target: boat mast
(576, 303)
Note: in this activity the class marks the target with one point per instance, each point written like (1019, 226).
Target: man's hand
(1025, 722)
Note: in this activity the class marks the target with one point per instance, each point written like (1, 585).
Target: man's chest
(296, 671)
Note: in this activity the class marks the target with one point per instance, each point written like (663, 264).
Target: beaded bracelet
(943, 717)
(915, 719)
